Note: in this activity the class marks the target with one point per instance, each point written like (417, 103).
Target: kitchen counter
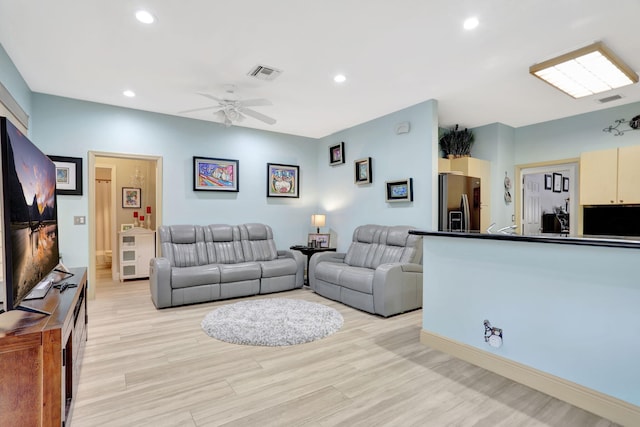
(608, 241)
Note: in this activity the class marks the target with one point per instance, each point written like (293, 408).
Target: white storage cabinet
(137, 246)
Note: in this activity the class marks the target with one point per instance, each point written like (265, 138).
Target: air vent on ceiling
(609, 99)
(263, 72)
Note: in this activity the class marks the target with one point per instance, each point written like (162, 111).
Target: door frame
(113, 193)
(549, 166)
(92, 155)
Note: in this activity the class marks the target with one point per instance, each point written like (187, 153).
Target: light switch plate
(79, 220)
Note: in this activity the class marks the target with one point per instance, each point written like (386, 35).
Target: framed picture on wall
(363, 171)
(336, 154)
(211, 174)
(283, 180)
(131, 197)
(68, 175)
(557, 182)
(565, 184)
(547, 181)
(400, 191)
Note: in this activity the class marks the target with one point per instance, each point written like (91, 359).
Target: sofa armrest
(397, 287)
(300, 262)
(318, 257)
(160, 282)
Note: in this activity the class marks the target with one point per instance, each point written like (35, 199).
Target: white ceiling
(394, 53)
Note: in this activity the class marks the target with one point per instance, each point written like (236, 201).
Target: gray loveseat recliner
(208, 263)
(381, 273)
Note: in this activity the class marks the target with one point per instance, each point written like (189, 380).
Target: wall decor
(363, 172)
(336, 154)
(547, 181)
(211, 174)
(400, 190)
(456, 143)
(68, 175)
(318, 240)
(131, 197)
(565, 184)
(557, 182)
(125, 227)
(283, 180)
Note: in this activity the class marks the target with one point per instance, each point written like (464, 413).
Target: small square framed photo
(131, 197)
(363, 171)
(210, 174)
(283, 180)
(547, 181)
(68, 175)
(400, 191)
(336, 154)
(565, 184)
(125, 227)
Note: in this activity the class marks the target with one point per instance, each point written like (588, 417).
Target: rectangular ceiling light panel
(583, 72)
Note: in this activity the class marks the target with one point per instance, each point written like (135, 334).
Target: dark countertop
(608, 241)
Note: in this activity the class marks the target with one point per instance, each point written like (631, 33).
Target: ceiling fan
(230, 110)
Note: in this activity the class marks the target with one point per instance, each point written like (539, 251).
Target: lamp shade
(318, 220)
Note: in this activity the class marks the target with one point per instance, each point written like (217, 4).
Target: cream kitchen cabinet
(136, 246)
(610, 177)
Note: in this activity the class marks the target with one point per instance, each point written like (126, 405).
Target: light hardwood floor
(148, 367)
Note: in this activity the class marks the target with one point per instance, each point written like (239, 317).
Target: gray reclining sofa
(208, 263)
(381, 273)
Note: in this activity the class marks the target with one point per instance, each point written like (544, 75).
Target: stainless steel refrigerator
(458, 203)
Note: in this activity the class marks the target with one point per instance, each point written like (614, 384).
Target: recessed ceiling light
(129, 93)
(339, 78)
(471, 23)
(145, 17)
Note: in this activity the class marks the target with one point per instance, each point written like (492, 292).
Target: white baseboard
(606, 406)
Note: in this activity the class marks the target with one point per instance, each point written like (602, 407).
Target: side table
(309, 251)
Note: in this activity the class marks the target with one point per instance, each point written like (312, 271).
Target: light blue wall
(567, 138)
(571, 311)
(394, 157)
(13, 82)
(70, 127)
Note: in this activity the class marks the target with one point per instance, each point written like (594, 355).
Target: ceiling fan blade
(206, 95)
(199, 109)
(252, 113)
(254, 103)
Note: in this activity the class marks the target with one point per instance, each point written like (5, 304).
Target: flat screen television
(29, 219)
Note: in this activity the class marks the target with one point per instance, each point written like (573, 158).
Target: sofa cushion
(223, 244)
(257, 242)
(279, 267)
(183, 245)
(194, 276)
(239, 272)
(356, 278)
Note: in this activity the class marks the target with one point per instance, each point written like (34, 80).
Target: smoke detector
(263, 72)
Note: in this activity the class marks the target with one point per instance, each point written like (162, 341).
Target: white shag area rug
(272, 322)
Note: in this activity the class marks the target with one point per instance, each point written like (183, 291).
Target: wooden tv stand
(41, 357)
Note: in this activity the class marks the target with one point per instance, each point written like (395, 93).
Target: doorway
(549, 198)
(108, 174)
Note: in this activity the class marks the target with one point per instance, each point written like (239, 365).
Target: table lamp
(318, 221)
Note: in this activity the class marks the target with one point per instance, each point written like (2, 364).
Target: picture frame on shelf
(336, 154)
(557, 182)
(363, 171)
(547, 181)
(399, 191)
(283, 180)
(68, 175)
(125, 227)
(131, 197)
(213, 174)
(319, 240)
(565, 184)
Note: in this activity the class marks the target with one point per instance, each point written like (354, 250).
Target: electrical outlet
(79, 220)
(513, 218)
